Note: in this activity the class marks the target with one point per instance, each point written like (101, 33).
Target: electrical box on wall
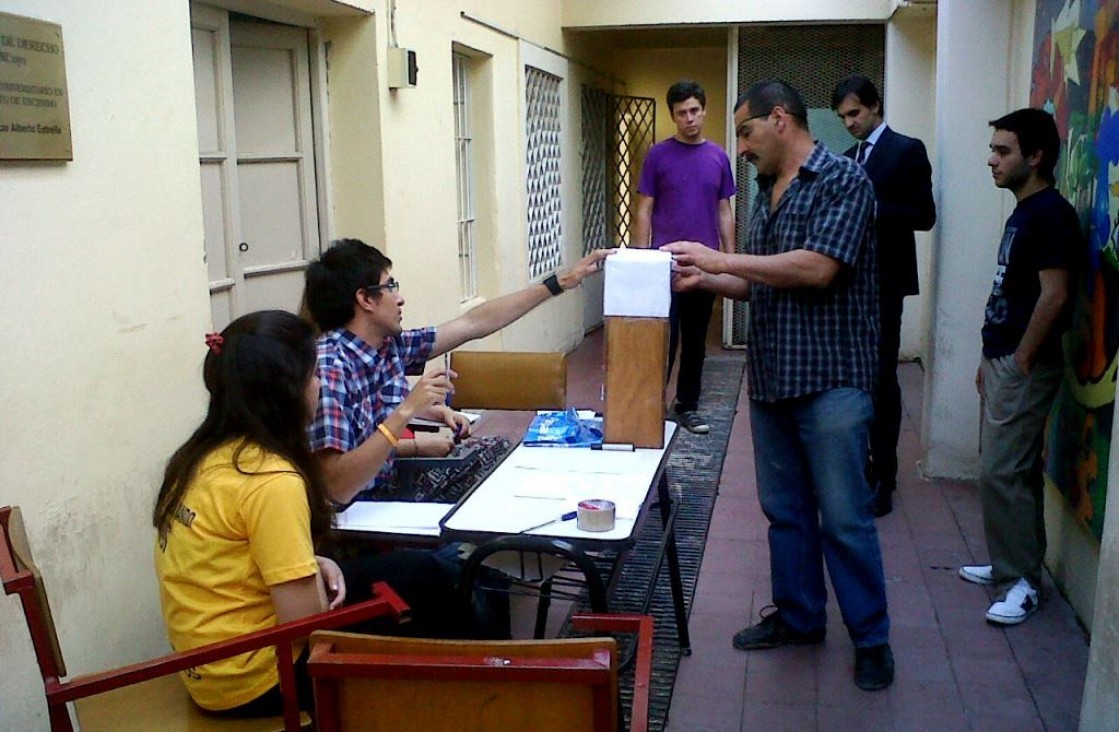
(402, 68)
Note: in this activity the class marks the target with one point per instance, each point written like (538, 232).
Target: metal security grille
(634, 124)
(542, 125)
(597, 202)
(617, 133)
(467, 255)
(813, 59)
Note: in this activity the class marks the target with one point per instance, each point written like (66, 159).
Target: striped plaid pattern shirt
(806, 340)
(361, 386)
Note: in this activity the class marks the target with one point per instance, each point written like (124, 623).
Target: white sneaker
(980, 574)
(1019, 603)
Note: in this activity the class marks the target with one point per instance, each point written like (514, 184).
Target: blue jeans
(810, 454)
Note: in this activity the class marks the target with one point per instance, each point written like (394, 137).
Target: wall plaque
(34, 106)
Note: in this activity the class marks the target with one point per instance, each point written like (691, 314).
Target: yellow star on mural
(1067, 34)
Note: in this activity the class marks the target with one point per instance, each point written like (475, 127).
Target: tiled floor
(954, 671)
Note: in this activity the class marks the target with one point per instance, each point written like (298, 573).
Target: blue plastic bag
(563, 429)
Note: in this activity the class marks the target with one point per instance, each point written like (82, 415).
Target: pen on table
(566, 517)
(613, 446)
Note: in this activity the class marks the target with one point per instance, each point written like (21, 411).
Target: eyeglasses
(391, 286)
(742, 131)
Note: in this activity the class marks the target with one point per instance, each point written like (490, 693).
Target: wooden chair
(149, 695)
(507, 380)
(374, 683)
(495, 380)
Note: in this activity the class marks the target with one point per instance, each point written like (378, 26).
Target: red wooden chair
(149, 695)
(377, 683)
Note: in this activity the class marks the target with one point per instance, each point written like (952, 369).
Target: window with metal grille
(467, 253)
(542, 132)
(595, 111)
(813, 59)
(617, 133)
(634, 120)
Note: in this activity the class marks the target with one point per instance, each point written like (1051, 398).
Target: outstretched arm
(796, 268)
(693, 278)
(492, 316)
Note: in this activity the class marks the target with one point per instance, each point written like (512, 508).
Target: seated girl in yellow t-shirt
(242, 508)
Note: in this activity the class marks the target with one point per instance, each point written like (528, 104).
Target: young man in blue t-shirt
(1027, 312)
(684, 195)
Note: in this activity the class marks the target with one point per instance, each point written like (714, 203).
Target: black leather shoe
(772, 632)
(883, 502)
(874, 667)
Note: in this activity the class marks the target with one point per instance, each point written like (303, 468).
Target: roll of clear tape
(595, 514)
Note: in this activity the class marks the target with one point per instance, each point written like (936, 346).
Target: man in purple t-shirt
(684, 195)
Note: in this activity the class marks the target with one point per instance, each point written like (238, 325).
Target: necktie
(862, 153)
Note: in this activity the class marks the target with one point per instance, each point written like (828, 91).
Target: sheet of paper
(394, 517)
(573, 461)
(638, 283)
(567, 486)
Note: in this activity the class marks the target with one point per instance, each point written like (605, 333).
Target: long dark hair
(257, 377)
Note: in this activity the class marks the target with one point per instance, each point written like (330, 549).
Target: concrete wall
(970, 215)
(910, 72)
(417, 153)
(104, 308)
(104, 289)
(1100, 713)
(594, 13)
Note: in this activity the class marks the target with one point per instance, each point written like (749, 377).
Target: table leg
(668, 524)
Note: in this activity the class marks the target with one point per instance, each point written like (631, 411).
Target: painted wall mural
(1076, 78)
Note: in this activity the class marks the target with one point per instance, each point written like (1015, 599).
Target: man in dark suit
(898, 166)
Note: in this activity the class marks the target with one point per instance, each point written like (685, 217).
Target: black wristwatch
(553, 285)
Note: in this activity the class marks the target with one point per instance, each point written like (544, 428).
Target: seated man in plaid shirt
(365, 403)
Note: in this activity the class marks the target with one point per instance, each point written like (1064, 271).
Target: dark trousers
(886, 427)
(689, 316)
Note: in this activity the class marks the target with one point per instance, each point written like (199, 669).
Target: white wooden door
(256, 155)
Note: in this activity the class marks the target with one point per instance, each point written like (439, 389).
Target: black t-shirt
(1043, 232)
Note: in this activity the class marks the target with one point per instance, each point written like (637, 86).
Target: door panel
(264, 97)
(256, 161)
(270, 212)
(216, 144)
(214, 217)
(275, 161)
(206, 90)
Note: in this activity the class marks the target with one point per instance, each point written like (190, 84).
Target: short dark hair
(1036, 130)
(765, 95)
(331, 283)
(684, 90)
(863, 89)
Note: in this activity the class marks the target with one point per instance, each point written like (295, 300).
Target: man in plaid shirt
(365, 403)
(811, 278)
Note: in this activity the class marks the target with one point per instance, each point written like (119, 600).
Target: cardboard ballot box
(636, 302)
